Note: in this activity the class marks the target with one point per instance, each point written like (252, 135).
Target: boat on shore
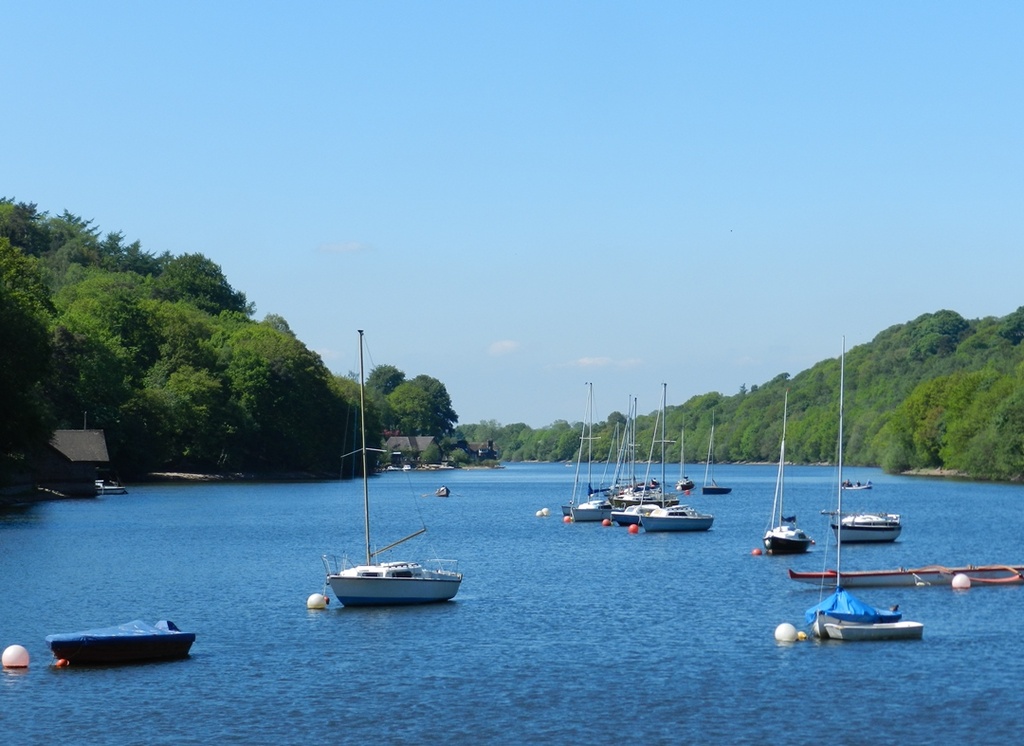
(125, 643)
(916, 576)
(110, 487)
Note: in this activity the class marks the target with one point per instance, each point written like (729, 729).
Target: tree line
(936, 393)
(166, 357)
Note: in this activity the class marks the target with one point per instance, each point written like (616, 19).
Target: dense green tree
(422, 406)
(25, 310)
(198, 280)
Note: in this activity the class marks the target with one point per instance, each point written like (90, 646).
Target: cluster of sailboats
(646, 503)
(630, 500)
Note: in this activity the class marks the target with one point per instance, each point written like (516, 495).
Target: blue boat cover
(133, 629)
(846, 607)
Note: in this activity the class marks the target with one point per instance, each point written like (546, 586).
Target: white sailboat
(684, 483)
(843, 616)
(640, 500)
(709, 467)
(386, 583)
(783, 536)
(596, 506)
(671, 517)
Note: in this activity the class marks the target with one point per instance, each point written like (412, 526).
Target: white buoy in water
(15, 656)
(785, 632)
(545, 512)
(961, 582)
(316, 601)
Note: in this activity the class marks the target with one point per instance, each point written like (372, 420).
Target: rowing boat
(928, 575)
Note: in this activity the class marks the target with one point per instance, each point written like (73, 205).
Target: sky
(519, 198)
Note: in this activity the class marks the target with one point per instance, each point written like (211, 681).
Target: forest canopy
(165, 356)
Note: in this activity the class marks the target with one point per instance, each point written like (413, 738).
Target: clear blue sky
(520, 197)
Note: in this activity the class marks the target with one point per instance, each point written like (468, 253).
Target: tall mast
(362, 428)
(664, 390)
(839, 499)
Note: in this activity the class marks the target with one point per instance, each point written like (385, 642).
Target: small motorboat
(107, 487)
(867, 527)
(442, 491)
(676, 518)
(125, 643)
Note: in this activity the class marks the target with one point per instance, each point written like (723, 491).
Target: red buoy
(756, 551)
(634, 529)
(62, 662)
(606, 522)
(567, 519)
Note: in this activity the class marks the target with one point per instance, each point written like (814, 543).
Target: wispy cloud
(603, 362)
(503, 347)
(343, 247)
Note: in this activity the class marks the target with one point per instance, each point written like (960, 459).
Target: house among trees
(479, 451)
(407, 449)
(71, 464)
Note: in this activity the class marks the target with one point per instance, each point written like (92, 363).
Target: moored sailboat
(843, 616)
(386, 583)
(783, 536)
(709, 467)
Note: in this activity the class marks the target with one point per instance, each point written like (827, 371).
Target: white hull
(852, 632)
(590, 512)
(861, 528)
(393, 583)
(678, 518)
(631, 516)
(868, 534)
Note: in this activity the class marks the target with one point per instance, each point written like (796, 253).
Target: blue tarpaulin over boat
(846, 607)
(133, 641)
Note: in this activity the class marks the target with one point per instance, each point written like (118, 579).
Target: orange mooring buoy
(634, 528)
(567, 519)
(756, 551)
(606, 522)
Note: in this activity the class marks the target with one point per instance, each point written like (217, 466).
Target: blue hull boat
(125, 643)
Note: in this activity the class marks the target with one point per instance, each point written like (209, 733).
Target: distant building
(70, 465)
(406, 449)
(479, 451)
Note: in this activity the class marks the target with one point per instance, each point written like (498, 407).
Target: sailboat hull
(715, 490)
(850, 631)
(782, 545)
(393, 584)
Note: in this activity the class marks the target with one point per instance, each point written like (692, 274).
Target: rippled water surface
(560, 633)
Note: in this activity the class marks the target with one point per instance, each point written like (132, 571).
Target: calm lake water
(561, 633)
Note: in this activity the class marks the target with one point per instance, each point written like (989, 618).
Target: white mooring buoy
(317, 601)
(785, 632)
(15, 656)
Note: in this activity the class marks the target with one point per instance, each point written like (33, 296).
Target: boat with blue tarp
(124, 643)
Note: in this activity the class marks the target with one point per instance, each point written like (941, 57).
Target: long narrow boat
(928, 575)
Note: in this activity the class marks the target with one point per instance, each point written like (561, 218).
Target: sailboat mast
(362, 429)
(839, 499)
(590, 436)
(664, 390)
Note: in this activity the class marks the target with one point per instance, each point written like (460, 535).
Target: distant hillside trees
(938, 392)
